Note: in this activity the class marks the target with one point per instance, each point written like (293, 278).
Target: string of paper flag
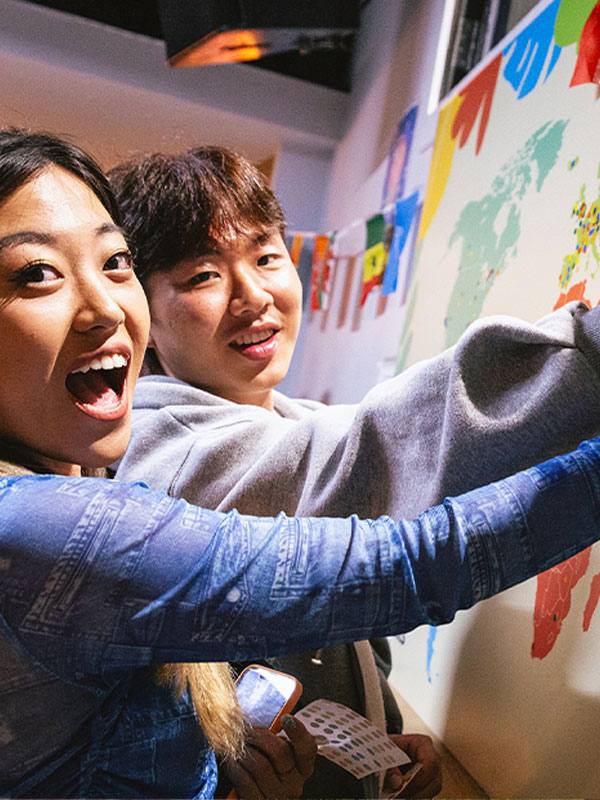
(384, 237)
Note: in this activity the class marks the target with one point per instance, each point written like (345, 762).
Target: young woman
(100, 580)
(211, 427)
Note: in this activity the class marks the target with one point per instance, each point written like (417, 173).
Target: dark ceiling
(327, 68)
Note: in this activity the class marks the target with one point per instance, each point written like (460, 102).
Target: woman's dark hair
(24, 154)
(178, 207)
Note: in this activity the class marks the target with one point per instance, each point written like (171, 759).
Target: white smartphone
(265, 695)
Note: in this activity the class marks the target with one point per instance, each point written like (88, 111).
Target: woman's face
(228, 320)
(73, 325)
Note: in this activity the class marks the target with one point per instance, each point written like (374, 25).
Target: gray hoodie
(508, 395)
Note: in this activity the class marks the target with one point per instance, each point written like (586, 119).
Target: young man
(211, 427)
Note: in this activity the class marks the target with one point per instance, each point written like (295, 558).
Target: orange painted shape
(576, 292)
(478, 95)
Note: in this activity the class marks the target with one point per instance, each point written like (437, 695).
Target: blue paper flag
(405, 212)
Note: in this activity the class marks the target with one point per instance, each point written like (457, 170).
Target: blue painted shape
(430, 643)
(529, 52)
(405, 212)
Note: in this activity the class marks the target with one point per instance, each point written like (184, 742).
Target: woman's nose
(96, 307)
(248, 293)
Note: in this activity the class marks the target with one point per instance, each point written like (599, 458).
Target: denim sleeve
(97, 576)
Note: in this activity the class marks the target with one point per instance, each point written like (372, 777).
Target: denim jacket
(100, 580)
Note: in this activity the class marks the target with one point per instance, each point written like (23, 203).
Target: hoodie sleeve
(507, 396)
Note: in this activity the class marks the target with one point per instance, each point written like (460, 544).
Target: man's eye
(121, 262)
(202, 277)
(37, 272)
(268, 258)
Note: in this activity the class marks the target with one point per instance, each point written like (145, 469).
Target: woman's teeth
(253, 338)
(105, 362)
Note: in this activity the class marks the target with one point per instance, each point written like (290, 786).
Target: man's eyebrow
(206, 252)
(264, 237)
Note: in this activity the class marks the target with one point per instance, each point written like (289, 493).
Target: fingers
(428, 780)
(303, 745)
(243, 783)
(274, 767)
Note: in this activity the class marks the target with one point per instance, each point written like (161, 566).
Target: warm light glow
(222, 48)
(245, 44)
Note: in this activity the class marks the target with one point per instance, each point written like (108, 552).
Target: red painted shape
(476, 95)
(592, 602)
(576, 292)
(553, 601)
(588, 55)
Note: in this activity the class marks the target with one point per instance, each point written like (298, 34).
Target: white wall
(113, 92)
(394, 62)
(392, 71)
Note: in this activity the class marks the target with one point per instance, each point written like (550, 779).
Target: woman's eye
(119, 262)
(35, 273)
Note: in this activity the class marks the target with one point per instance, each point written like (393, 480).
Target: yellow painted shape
(441, 163)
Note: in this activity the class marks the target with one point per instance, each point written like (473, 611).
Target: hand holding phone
(277, 767)
(265, 695)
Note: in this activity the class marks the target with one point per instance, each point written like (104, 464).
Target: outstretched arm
(120, 576)
(509, 395)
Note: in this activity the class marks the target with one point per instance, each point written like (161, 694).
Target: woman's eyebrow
(39, 237)
(26, 237)
(110, 227)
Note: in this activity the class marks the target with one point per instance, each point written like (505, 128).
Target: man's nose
(249, 292)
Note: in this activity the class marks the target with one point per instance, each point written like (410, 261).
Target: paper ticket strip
(352, 741)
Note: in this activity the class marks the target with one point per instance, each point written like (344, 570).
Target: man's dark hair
(177, 207)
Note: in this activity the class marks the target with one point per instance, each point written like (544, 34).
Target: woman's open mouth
(99, 387)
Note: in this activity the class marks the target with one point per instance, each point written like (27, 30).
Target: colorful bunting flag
(296, 248)
(300, 247)
(375, 256)
(322, 266)
(405, 212)
(398, 159)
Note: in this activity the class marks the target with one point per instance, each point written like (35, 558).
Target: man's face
(227, 321)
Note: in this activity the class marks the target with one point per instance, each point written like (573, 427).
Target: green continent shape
(489, 228)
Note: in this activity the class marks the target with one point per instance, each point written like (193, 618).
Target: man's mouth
(99, 386)
(253, 338)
